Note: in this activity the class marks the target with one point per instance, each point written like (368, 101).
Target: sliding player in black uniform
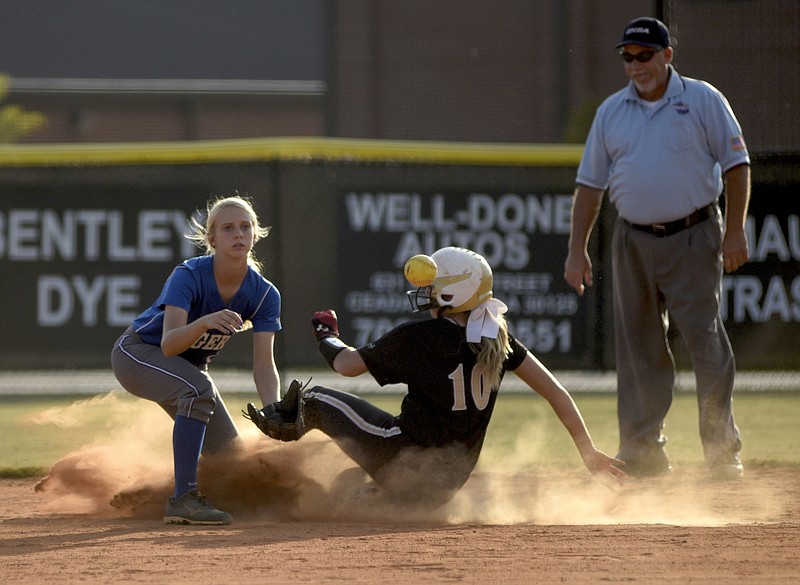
(452, 364)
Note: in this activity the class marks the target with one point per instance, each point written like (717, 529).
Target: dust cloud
(126, 470)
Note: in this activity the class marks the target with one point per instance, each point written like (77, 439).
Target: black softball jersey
(447, 401)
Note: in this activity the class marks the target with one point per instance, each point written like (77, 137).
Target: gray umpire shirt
(661, 164)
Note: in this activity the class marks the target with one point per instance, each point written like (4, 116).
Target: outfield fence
(93, 382)
(88, 234)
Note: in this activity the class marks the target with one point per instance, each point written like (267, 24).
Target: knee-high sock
(187, 442)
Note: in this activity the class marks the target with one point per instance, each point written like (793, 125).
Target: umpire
(665, 147)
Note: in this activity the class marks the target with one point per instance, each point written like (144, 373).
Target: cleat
(194, 508)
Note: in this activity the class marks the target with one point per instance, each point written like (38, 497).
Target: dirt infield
(314, 524)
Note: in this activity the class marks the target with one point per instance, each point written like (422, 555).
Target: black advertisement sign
(522, 235)
(760, 302)
(78, 268)
(83, 249)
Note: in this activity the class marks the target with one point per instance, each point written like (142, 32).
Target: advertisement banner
(760, 302)
(80, 265)
(84, 248)
(522, 235)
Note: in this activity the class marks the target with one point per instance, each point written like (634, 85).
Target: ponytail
(492, 353)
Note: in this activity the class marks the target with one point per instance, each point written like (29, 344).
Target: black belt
(662, 230)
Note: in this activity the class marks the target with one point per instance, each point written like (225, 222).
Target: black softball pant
(373, 439)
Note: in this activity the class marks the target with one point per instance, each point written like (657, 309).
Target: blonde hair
(201, 232)
(492, 353)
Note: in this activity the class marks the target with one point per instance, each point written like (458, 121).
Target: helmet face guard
(421, 299)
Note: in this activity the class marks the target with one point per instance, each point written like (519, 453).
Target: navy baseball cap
(645, 31)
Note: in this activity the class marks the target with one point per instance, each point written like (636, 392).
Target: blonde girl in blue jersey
(164, 355)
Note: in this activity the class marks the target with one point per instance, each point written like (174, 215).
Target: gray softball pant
(178, 386)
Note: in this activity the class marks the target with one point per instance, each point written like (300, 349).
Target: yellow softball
(420, 270)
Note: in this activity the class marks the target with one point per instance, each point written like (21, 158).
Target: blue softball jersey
(192, 287)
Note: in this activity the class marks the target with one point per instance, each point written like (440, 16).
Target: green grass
(768, 424)
(524, 431)
(30, 447)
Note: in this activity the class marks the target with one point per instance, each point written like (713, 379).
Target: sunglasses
(642, 57)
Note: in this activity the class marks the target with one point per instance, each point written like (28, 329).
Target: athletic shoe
(653, 464)
(729, 468)
(193, 508)
(644, 469)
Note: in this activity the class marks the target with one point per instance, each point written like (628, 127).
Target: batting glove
(325, 324)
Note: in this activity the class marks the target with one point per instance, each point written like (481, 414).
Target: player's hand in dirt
(604, 466)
